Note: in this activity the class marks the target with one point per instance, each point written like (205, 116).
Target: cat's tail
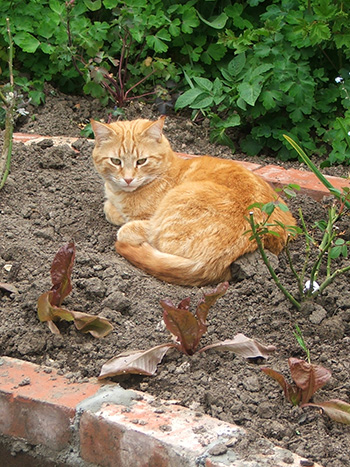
(171, 268)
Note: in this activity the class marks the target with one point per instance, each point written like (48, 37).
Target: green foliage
(278, 69)
(267, 67)
(331, 246)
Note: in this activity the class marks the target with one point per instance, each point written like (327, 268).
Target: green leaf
(93, 5)
(249, 92)
(319, 32)
(203, 83)
(187, 98)
(27, 42)
(189, 21)
(156, 43)
(237, 64)
(217, 23)
(57, 6)
(109, 4)
(203, 101)
(216, 51)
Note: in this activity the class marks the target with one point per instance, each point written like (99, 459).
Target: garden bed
(54, 195)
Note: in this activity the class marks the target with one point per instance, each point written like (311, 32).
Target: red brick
(308, 182)
(110, 444)
(37, 404)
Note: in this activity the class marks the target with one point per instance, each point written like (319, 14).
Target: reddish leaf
(308, 377)
(141, 362)
(61, 271)
(188, 328)
(243, 346)
(183, 325)
(207, 302)
(184, 304)
(95, 325)
(291, 393)
(336, 409)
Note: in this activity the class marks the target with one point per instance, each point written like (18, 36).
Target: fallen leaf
(142, 362)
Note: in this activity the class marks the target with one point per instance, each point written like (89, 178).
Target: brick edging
(108, 426)
(277, 176)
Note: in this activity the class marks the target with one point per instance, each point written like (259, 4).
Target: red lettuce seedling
(308, 378)
(49, 303)
(188, 330)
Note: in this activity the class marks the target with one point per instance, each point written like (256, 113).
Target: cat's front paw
(134, 233)
(112, 215)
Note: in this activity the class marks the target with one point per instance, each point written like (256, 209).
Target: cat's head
(129, 154)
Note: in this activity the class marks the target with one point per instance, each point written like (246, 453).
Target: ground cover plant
(53, 195)
(256, 70)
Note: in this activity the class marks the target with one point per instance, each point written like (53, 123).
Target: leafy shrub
(267, 67)
(278, 73)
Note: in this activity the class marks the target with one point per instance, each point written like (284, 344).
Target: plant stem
(268, 264)
(10, 105)
(330, 279)
(292, 268)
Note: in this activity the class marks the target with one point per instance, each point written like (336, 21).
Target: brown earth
(54, 195)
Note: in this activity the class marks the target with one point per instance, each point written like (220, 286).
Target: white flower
(307, 286)
(339, 79)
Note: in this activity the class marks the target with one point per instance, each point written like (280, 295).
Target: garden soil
(54, 195)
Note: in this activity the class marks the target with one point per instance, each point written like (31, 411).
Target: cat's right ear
(101, 131)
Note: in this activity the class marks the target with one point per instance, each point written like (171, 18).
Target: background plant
(265, 67)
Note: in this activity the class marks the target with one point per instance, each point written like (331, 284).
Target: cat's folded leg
(134, 232)
(112, 214)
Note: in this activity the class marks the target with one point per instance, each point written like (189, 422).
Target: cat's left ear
(101, 131)
(155, 130)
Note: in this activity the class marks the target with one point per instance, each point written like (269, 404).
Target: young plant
(49, 303)
(329, 248)
(9, 104)
(308, 378)
(187, 330)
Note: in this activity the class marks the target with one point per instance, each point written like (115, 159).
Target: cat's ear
(101, 131)
(155, 130)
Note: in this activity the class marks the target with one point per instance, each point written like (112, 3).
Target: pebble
(218, 450)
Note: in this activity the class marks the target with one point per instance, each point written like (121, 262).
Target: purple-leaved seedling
(187, 329)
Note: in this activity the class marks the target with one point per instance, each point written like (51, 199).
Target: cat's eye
(116, 161)
(141, 161)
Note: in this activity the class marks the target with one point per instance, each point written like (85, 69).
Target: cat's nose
(128, 180)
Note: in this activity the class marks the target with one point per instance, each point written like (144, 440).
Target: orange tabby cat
(183, 220)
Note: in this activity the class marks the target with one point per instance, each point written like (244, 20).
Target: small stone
(24, 382)
(218, 450)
